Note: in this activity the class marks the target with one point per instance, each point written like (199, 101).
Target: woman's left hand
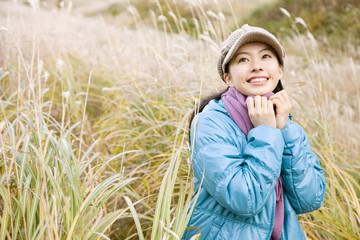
(283, 107)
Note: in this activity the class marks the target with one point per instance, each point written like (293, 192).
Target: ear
(281, 71)
(227, 78)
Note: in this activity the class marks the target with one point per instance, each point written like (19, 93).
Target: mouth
(258, 79)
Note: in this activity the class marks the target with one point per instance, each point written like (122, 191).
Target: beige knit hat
(244, 35)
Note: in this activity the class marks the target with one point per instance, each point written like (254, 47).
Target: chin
(261, 91)
(258, 93)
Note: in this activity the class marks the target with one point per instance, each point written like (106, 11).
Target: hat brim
(254, 36)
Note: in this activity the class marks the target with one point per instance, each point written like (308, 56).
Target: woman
(254, 164)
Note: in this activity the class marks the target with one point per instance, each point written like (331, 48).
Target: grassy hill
(94, 108)
(335, 22)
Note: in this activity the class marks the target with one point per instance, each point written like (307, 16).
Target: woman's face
(254, 69)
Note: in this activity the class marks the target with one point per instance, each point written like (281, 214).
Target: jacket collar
(216, 105)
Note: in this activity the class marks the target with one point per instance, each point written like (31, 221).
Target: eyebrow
(247, 53)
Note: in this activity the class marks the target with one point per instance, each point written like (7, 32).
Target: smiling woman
(254, 69)
(255, 165)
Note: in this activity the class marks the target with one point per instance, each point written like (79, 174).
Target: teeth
(258, 80)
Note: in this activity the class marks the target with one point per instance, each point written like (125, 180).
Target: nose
(256, 66)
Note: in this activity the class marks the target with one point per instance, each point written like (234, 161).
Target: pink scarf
(235, 105)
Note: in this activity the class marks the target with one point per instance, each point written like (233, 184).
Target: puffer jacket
(237, 199)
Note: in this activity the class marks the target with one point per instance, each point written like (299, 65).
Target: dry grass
(79, 92)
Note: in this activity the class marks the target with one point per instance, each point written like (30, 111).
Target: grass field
(94, 116)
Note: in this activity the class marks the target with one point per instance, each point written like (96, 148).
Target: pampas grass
(94, 120)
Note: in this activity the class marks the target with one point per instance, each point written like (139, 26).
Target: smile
(257, 80)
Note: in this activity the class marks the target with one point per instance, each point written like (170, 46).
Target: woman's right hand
(261, 111)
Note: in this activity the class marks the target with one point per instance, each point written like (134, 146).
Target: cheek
(277, 70)
(237, 71)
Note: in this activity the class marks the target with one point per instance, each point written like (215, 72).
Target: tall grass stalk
(49, 193)
(103, 155)
(170, 217)
(49, 187)
(339, 218)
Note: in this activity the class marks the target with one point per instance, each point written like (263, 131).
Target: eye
(266, 56)
(243, 60)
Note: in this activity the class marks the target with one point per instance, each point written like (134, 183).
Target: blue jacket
(237, 197)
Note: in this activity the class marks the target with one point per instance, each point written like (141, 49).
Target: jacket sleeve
(240, 175)
(303, 178)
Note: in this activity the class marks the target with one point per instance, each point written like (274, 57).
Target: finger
(270, 105)
(286, 96)
(282, 98)
(276, 95)
(285, 100)
(279, 96)
(276, 102)
(272, 97)
(257, 102)
(250, 103)
(264, 102)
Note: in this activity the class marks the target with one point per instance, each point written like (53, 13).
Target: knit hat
(243, 35)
